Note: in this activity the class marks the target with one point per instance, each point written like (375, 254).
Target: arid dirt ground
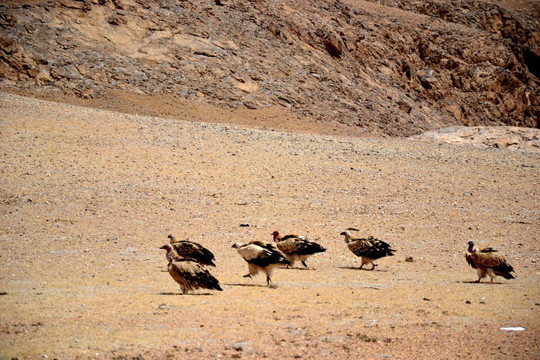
(88, 196)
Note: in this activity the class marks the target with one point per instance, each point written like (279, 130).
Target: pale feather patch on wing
(251, 251)
(262, 254)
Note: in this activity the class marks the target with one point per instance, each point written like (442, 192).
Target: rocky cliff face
(393, 68)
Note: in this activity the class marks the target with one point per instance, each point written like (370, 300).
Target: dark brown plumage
(487, 262)
(189, 274)
(296, 247)
(192, 251)
(261, 256)
(369, 249)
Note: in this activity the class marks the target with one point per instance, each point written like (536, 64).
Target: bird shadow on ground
(358, 268)
(480, 283)
(247, 285)
(182, 294)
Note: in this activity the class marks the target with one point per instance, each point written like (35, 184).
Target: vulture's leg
(491, 274)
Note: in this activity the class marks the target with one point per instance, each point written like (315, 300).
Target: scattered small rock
(240, 346)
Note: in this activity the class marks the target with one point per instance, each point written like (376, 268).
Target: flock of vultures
(188, 261)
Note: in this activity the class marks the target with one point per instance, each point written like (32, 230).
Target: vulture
(296, 247)
(261, 256)
(192, 251)
(188, 273)
(487, 262)
(369, 249)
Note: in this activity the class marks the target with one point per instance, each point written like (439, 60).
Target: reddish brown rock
(460, 63)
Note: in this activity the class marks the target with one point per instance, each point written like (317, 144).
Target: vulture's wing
(192, 275)
(264, 244)
(371, 248)
(360, 247)
(381, 245)
(291, 236)
(262, 254)
(489, 260)
(194, 251)
(496, 262)
(300, 246)
(289, 245)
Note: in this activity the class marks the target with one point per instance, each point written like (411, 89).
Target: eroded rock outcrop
(502, 137)
(393, 67)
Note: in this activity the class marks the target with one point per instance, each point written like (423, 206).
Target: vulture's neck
(170, 255)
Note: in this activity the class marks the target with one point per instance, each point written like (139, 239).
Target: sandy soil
(89, 195)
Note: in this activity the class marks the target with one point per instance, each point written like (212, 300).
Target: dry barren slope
(390, 68)
(89, 195)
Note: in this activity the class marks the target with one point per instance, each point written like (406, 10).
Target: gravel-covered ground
(88, 196)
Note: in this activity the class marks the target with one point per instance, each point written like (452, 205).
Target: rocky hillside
(390, 67)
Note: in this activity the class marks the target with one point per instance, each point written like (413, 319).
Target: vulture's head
(167, 247)
(171, 237)
(170, 251)
(237, 245)
(275, 234)
(347, 235)
(471, 246)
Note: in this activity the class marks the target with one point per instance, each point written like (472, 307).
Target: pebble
(240, 346)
